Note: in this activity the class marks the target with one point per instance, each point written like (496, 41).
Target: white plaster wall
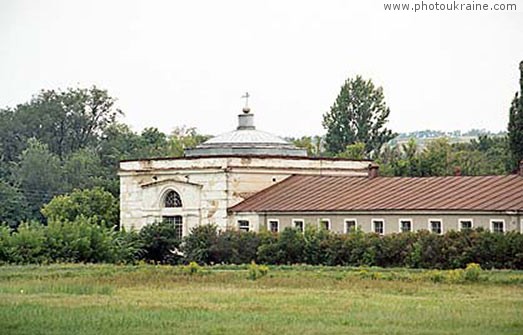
(208, 186)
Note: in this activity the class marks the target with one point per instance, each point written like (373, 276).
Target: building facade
(222, 172)
(252, 180)
(386, 204)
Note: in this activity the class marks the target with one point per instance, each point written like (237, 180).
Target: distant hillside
(456, 136)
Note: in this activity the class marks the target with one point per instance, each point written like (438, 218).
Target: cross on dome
(246, 96)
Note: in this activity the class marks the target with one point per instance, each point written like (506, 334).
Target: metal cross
(246, 97)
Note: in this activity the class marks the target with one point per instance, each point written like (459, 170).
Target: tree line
(66, 140)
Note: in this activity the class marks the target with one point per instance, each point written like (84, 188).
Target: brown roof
(336, 193)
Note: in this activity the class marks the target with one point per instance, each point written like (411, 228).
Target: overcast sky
(174, 63)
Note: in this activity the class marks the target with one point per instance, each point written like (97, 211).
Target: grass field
(146, 299)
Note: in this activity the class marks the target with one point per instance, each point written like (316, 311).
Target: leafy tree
(515, 124)
(313, 144)
(353, 151)
(436, 158)
(359, 114)
(100, 206)
(13, 207)
(183, 138)
(39, 174)
(63, 120)
(83, 169)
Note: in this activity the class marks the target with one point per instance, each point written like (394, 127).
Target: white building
(220, 173)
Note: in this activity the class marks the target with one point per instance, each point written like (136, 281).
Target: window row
(378, 225)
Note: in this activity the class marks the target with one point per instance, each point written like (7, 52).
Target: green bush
(472, 272)
(192, 268)
(159, 242)
(199, 245)
(256, 271)
(5, 245)
(27, 244)
(235, 247)
(81, 240)
(100, 206)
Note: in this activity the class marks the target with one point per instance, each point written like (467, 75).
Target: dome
(246, 141)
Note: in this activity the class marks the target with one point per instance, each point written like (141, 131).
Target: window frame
(400, 220)
(269, 221)
(239, 225)
(460, 228)
(302, 229)
(504, 226)
(373, 221)
(166, 194)
(345, 230)
(429, 225)
(329, 227)
(178, 226)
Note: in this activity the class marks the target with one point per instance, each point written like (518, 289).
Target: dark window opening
(172, 199)
(243, 225)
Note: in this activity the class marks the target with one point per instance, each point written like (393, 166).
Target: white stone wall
(208, 186)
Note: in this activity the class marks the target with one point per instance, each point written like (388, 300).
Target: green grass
(146, 299)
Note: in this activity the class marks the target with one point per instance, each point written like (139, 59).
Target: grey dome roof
(246, 136)
(246, 141)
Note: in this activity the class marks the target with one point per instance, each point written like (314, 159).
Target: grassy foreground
(146, 299)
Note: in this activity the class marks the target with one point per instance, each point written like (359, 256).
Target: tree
(515, 124)
(359, 114)
(39, 174)
(83, 169)
(353, 151)
(13, 207)
(313, 144)
(96, 204)
(183, 138)
(63, 120)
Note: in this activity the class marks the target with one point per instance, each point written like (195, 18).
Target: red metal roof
(341, 193)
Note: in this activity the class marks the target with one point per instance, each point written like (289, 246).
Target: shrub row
(73, 242)
(320, 247)
(83, 241)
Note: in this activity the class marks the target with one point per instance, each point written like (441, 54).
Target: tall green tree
(63, 120)
(13, 207)
(39, 174)
(515, 124)
(359, 114)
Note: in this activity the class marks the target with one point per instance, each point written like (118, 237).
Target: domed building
(246, 141)
(248, 179)
(200, 187)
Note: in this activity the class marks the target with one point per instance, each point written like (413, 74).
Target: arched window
(172, 199)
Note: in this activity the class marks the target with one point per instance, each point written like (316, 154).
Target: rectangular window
(298, 224)
(177, 221)
(465, 224)
(497, 226)
(378, 226)
(405, 225)
(274, 226)
(325, 224)
(435, 226)
(350, 226)
(243, 225)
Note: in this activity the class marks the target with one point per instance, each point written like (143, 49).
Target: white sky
(174, 63)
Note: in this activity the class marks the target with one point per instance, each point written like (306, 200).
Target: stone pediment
(168, 181)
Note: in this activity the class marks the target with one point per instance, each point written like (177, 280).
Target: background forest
(59, 152)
